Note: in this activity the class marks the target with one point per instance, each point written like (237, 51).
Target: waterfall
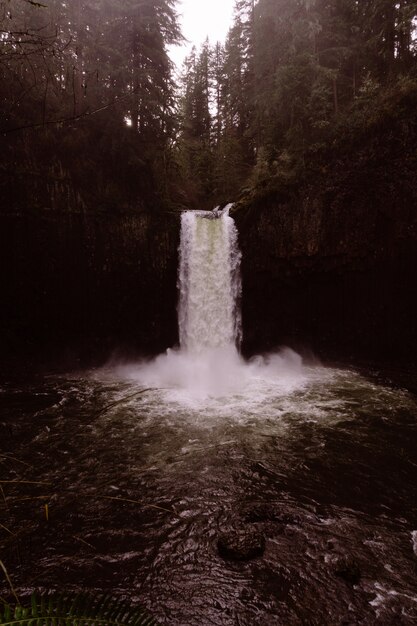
(209, 281)
(208, 364)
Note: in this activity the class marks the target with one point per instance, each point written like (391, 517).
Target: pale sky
(199, 19)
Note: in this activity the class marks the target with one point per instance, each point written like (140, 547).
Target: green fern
(74, 610)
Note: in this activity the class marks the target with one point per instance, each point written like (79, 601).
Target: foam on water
(414, 540)
(219, 373)
(384, 595)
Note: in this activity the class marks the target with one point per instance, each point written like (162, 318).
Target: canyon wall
(77, 287)
(332, 265)
(330, 268)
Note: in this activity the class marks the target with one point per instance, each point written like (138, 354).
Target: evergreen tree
(196, 138)
(102, 65)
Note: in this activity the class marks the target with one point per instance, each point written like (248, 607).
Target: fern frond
(74, 610)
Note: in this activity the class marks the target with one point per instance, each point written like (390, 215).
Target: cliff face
(334, 269)
(337, 278)
(78, 286)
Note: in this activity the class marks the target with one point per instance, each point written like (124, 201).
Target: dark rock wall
(79, 286)
(334, 272)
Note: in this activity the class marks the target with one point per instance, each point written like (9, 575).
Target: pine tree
(102, 65)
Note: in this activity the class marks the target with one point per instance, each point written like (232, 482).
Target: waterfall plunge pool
(142, 466)
(140, 485)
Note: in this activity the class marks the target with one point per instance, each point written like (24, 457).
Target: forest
(297, 84)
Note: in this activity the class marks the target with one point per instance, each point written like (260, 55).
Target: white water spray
(208, 364)
(209, 282)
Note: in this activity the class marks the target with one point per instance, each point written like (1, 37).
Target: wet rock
(241, 544)
(348, 569)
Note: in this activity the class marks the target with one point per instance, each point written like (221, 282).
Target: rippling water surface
(141, 473)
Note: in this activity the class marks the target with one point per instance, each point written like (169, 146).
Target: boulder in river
(347, 568)
(241, 544)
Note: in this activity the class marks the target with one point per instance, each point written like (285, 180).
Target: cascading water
(207, 363)
(209, 282)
